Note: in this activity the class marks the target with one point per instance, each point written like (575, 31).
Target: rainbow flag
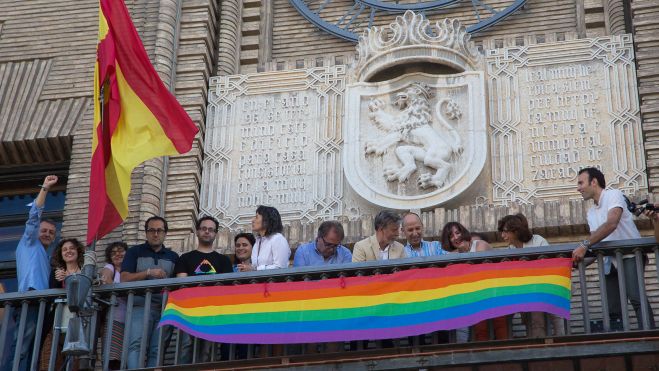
(406, 303)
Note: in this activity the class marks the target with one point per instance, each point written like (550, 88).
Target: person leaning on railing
(271, 250)
(200, 262)
(32, 267)
(610, 220)
(111, 273)
(67, 259)
(243, 243)
(456, 238)
(150, 260)
(382, 245)
(325, 249)
(415, 247)
(515, 231)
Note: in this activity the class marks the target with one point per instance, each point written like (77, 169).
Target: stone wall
(47, 49)
(46, 69)
(645, 21)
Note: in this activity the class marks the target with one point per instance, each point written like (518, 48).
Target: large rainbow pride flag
(406, 303)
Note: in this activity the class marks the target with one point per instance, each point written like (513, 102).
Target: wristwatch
(586, 244)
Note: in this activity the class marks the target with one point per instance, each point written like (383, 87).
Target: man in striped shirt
(416, 246)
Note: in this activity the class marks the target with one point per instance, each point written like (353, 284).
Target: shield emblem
(417, 141)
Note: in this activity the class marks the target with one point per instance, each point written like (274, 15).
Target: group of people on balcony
(266, 248)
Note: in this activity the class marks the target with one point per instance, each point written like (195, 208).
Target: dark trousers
(28, 336)
(633, 292)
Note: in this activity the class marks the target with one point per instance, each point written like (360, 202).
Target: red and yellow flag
(141, 118)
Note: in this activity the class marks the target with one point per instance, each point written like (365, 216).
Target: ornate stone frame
(617, 55)
(328, 83)
(474, 136)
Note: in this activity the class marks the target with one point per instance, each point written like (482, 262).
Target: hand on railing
(579, 253)
(156, 273)
(246, 267)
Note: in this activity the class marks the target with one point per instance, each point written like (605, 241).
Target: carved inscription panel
(272, 142)
(556, 108)
(274, 139)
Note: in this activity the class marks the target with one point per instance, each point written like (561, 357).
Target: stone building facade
(47, 51)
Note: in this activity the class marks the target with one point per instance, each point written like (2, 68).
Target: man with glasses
(150, 260)
(325, 249)
(202, 261)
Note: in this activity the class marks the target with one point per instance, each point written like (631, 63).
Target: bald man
(416, 246)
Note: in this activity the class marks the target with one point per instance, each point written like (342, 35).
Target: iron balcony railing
(589, 311)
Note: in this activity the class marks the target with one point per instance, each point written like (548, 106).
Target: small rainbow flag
(406, 303)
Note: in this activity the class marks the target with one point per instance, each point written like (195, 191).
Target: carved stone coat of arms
(416, 141)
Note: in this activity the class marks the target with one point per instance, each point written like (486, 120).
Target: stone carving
(433, 126)
(429, 125)
(274, 139)
(414, 137)
(411, 38)
(558, 107)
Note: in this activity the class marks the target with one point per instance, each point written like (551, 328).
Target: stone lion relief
(414, 136)
(417, 140)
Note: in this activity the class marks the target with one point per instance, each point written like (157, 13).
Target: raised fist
(50, 181)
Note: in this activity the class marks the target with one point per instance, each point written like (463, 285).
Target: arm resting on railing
(612, 220)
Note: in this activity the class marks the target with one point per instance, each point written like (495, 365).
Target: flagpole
(101, 106)
(80, 300)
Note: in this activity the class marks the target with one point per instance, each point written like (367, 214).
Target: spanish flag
(140, 120)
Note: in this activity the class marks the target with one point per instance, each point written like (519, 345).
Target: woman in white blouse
(271, 250)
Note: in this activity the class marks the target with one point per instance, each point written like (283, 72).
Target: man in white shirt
(610, 220)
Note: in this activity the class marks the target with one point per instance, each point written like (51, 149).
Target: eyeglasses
(155, 231)
(208, 229)
(329, 245)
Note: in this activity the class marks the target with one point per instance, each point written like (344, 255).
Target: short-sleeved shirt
(120, 311)
(626, 229)
(32, 265)
(142, 257)
(307, 255)
(610, 199)
(197, 263)
(427, 248)
(536, 240)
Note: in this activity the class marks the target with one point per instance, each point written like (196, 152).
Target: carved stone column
(265, 36)
(154, 176)
(228, 61)
(615, 16)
